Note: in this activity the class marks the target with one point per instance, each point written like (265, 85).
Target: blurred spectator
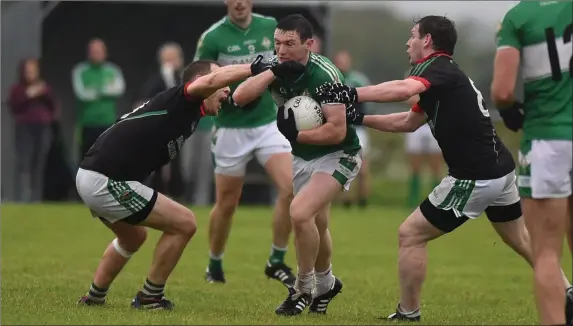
(343, 62)
(34, 108)
(97, 85)
(170, 58)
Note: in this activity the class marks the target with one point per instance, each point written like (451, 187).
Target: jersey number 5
(554, 55)
(480, 100)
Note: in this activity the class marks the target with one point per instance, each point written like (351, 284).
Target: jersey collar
(237, 27)
(435, 54)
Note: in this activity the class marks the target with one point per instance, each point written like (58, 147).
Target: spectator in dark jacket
(34, 109)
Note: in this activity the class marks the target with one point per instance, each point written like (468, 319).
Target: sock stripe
(95, 288)
(150, 291)
(96, 295)
(148, 282)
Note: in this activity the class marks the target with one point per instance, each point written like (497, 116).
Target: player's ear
(309, 43)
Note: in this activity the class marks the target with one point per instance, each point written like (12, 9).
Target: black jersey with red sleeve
(457, 115)
(147, 138)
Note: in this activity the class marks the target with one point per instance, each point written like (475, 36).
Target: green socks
(277, 255)
(216, 263)
(414, 191)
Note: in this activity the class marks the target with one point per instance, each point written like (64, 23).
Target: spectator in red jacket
(33, 108)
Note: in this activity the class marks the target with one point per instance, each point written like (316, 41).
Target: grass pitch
(49, 254)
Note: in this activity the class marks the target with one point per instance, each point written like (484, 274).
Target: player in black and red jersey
(110, 177)
(481, 175)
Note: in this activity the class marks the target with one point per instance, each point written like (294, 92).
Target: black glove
(260, 65)
(336, 93)
(353, 115)
(288, 70)
(287, 125)
(513, 116)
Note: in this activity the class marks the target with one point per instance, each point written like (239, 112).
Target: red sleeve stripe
(417, 108)
(202, 109)
(187, 95)
(422, 80)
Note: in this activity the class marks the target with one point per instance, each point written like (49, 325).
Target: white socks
(324, 281)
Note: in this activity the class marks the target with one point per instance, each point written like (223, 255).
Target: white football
(307, 112)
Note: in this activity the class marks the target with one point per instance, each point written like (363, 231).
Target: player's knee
(408, 236)
(188, 225)
(299, 214)
(226, 208)
(127, 246)
(285, 194)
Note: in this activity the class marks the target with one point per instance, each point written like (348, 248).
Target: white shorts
(113, 201)
(233, 148)
(422, 141)
(545, 169)
(472, 197)
(455, 201)
(343, 167)
(364, 138)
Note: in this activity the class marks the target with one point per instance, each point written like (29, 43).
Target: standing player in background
(110, 177)
(421, 147)
(343, 62)
(481, 176)
(537, 36)
(243, 132)
(326, 160)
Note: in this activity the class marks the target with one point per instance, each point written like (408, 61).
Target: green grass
(49, 254)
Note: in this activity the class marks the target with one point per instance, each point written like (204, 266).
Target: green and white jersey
(541, 31)
(227, 44)
(319, 70)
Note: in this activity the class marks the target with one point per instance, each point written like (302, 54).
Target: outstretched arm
(206, 85)
(396, 122)
(252, 88)
(330, 133)
(392, 91)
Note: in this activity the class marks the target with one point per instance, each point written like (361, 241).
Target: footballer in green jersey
(536, 37)
(326, 160)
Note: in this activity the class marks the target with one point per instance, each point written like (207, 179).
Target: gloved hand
(353, 115)
(287, 125)
(285, 70)
(288, 70)
(513, 116)
(336, 93)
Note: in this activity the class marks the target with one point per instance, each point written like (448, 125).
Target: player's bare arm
(330, 133)
(396, 122)
(264, 73)
(506, 67)
(392, 91)
(252, 88)
(206, 85)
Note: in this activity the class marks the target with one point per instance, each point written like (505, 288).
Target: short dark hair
(442, 30)
(196, 69)
(298, 24)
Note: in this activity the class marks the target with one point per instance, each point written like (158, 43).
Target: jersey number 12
(554, 55)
